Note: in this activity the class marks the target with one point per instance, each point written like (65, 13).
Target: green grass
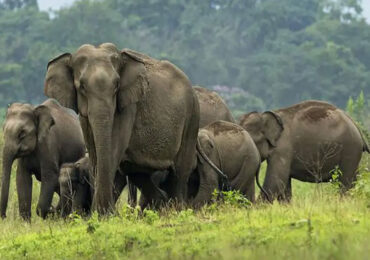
(318, 224)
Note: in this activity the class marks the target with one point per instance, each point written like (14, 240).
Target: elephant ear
(84, 175)
(59, 81)
(208, 145)
(272, 127)
(44, 121)
(205, 142)
(80, 176)
(134, 81)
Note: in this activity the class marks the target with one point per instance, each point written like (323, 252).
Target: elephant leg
(193, 185)
(349, 167)
(244, 181)
(49, 183)
(24, 191)
(152, 192)
(185, 160)
(120, 182)
(288, 191)
(132, 194)
(208, 182)
(277, 178)
(143, 203)
(251, 193)
(159, 179)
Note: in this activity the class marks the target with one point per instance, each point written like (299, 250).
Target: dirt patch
(305, 105)
(220, 127)
(317, 113)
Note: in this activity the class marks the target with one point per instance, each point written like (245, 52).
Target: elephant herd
(117, 118)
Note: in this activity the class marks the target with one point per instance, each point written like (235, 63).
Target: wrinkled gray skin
(233, 151)
(137, 113)
(306, 142)
(77, 190)
(41, 138)
(212, 107)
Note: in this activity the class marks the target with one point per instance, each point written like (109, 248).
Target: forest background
(259, 54)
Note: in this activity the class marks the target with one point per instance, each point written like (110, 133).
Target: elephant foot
(44, 213)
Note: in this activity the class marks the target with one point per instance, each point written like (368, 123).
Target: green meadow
(318, 224)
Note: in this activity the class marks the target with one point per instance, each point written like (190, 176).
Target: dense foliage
(267, 53)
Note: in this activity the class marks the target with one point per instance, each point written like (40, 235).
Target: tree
(17, 4)
(275, 53)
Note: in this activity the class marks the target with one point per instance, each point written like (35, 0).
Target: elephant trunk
(8, 158)
(225, 180)
(264, 194)
(207, 182)
(103, 193)
(66, 200)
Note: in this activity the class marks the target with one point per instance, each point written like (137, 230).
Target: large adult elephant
(305, 141)
(136, 112)
(212, 107)
(41, 138)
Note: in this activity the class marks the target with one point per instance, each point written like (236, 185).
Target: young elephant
(76, 187)
(305, 141)
(233, 151)
(211, 107)
(41, 138)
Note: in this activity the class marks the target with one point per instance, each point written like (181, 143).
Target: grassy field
(318, 224)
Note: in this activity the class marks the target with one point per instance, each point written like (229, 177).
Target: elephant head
(25, 128)
(99, 83)
(75, 187)
(265, 130)
(209, 168)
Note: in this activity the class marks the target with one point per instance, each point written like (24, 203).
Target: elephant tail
(365, 145)
(225, 181)
(259, 184)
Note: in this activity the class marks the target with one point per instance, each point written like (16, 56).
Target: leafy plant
(233, 198)
(335, 177)
(150, 216)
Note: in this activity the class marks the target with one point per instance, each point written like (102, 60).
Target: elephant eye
(22, 134)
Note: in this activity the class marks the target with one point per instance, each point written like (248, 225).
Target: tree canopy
(259, 53)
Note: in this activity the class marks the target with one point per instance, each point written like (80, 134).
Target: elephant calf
(233, 151)
(306, 142)
(77, 187)
(41, 138)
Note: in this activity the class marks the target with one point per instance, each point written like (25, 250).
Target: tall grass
(318, 224)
